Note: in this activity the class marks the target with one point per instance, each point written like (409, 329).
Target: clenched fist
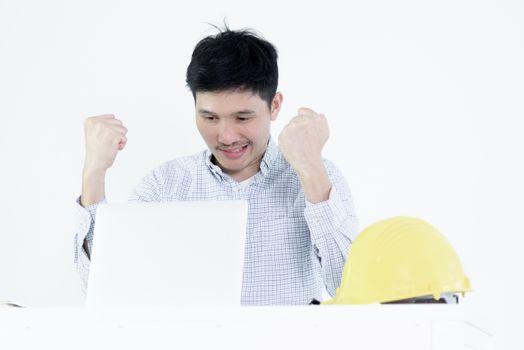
(302, 140)
(104, 136)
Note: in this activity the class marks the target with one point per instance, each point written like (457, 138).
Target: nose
(227, 133)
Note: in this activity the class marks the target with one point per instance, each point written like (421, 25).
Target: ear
(276, 104)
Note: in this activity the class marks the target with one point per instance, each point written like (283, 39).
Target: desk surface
(316, 327)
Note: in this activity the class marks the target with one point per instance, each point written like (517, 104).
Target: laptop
(168, 254)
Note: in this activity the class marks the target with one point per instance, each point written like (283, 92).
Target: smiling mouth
(234, 153)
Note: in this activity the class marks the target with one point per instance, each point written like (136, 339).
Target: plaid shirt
(292, 246)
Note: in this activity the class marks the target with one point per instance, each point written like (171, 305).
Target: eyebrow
(241, 112)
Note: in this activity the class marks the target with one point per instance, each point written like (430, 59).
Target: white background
(424, 100)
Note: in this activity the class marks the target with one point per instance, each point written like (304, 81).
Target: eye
(243, 119)
(209, 117)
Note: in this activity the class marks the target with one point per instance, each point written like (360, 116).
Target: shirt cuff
(85, 217)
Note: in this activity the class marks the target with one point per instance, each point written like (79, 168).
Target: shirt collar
(267, 160)
(269, 157)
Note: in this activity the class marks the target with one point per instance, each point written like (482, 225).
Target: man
(301, 219)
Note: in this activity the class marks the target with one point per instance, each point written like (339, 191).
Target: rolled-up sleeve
(333, 225)
(83, 238)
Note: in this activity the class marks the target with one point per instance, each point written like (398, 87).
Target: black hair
(234, 59)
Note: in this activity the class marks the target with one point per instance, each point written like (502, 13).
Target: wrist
(93, 172)
(310, 168)
(315, 182)
(93, 186)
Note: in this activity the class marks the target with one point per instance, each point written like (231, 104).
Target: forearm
(93, 187)
(82, 262)
(83, 239)
(333, 225)
(315, 181)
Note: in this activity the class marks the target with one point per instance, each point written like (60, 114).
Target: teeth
(235, 150)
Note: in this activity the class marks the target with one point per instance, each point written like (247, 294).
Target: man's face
(235, 125)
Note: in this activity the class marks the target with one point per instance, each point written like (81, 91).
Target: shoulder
(180, 165)
(171, 179)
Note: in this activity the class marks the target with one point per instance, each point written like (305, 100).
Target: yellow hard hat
(396, 259)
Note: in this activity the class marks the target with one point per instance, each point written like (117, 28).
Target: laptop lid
(167, 253)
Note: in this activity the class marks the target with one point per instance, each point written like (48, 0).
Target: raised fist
(302, 139)
(104, 136)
